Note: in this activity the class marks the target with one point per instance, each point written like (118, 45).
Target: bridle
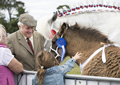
(56, 50)
(58, 46)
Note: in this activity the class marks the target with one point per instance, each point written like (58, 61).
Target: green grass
(75, 70)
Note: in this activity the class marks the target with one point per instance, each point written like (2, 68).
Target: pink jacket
(6, 76)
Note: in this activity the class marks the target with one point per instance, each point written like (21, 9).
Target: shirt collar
(26, 37)
(2, 45)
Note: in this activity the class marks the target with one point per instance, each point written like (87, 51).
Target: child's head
(44, 60)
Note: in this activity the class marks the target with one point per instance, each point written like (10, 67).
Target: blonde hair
(1, 32)
(44, 60)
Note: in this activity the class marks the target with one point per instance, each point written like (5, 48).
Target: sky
(39, 8)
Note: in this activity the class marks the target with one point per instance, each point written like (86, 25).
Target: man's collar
(26, 37)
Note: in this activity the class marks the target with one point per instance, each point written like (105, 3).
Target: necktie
(30, 44)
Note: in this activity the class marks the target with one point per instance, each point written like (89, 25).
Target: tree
(13, 23)
(61, 7)
(2, 19)
(10, 6)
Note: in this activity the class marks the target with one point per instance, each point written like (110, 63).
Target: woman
(8, 64)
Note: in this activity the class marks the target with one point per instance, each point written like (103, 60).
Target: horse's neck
(88, 50)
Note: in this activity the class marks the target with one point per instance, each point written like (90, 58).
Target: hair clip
(42, 67)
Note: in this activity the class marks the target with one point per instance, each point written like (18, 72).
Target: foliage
(10, 6)
(2, 19)
(75, 70)
(62, 7)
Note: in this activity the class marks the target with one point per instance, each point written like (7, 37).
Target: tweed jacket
(21, 50)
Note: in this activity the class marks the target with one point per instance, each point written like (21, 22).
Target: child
(48, 72)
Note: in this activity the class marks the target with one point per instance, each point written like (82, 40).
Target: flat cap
(27, 20)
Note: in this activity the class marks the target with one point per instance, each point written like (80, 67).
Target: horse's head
(78, 38)
(55, 48)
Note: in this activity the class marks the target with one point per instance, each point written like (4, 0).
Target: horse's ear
(62, 30)
(75, 26)
(54, 17)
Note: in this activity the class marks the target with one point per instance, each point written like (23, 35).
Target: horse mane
(90, 34)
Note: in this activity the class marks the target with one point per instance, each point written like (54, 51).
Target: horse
(100, 56)
(103, 15)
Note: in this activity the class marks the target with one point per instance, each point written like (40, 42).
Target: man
(26, 43)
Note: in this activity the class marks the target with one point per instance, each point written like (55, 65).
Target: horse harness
(56, 50)
(96, 52)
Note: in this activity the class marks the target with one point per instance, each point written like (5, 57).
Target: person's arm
(15, 66)
(11, 62)
(70, 63)
(77, 56)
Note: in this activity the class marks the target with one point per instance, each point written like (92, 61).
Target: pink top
(6, 75)
(1, 45)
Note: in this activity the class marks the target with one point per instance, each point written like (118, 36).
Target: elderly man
(26, 43)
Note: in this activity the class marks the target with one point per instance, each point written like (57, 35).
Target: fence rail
(70, 79)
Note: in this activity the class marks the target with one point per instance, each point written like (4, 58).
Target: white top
(5, 56)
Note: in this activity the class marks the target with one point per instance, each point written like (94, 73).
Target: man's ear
(19, 26)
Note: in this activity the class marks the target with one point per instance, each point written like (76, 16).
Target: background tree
(11, 6)
(61, 7)
(2, 19)
(13, 23)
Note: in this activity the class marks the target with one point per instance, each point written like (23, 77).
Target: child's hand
(77, 56)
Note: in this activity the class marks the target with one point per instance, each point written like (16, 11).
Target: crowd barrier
(69, 79)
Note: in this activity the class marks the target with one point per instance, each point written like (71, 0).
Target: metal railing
(70, 79)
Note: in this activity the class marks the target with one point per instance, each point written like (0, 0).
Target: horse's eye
(53, 41)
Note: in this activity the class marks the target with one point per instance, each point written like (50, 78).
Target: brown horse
(87, 41)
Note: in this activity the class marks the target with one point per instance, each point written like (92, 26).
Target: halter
(56, 51)
(61, 45)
